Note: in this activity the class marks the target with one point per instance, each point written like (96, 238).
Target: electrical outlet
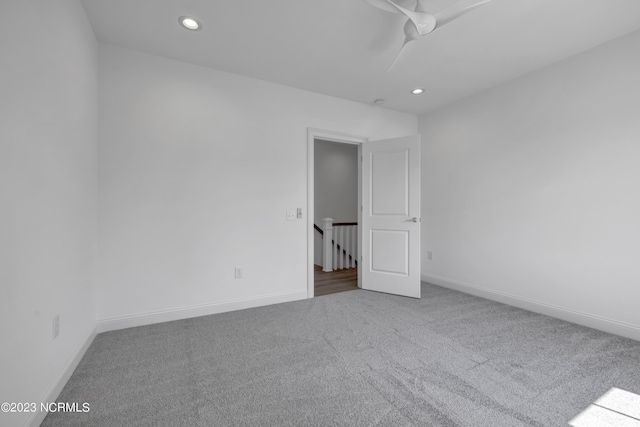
(429, 255)
(291, 216)
(56, 326)
(238, 273)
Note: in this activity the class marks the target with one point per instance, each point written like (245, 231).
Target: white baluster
(352, 262)
(347, 245)
(342, 254)
(327, 253)
(336, 245)
(355, 246)
(335, 251)
(341, 250)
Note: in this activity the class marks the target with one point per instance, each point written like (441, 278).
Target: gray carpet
(352, 359)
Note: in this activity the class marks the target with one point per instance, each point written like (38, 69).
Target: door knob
(414, 219)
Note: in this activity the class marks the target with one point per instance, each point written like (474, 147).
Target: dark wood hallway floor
(334, 281)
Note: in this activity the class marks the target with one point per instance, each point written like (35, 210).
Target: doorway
(334, 143)
(388, 229)
(336, 217)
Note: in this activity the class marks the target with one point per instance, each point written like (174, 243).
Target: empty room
(320, 213)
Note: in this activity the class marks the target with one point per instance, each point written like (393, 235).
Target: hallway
(326, 283)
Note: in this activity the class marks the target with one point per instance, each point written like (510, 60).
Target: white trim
(585, 319)
(326, 135)
(115, 323)
(58, 384)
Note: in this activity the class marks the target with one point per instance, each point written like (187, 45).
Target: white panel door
(391, 216)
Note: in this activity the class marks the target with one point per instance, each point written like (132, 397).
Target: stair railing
(340, 244)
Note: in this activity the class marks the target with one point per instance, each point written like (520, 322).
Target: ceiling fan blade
(402, 49)
(424, 22)
(385, 5)
(422, 6)
(456, 10)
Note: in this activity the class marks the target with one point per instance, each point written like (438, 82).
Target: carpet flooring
(352, 359)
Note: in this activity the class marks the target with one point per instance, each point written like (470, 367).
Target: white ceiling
(344, 47)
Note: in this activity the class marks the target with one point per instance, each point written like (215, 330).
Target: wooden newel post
(327, 249)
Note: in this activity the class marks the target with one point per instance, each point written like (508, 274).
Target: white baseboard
(115, 323)
(596, 322)
(58, 384)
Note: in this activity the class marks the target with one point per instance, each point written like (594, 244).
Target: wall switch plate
(299, 213)
(238, 273)
(429, 255)
(56, 326)
(291, 216)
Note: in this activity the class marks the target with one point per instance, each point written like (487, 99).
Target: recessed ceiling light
(190, 23)
(417, 91)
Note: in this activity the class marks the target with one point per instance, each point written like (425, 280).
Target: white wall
(48, 182)
(197, 169)
(336, 181)
(531, 190)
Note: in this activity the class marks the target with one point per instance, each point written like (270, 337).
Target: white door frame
(344, 138)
